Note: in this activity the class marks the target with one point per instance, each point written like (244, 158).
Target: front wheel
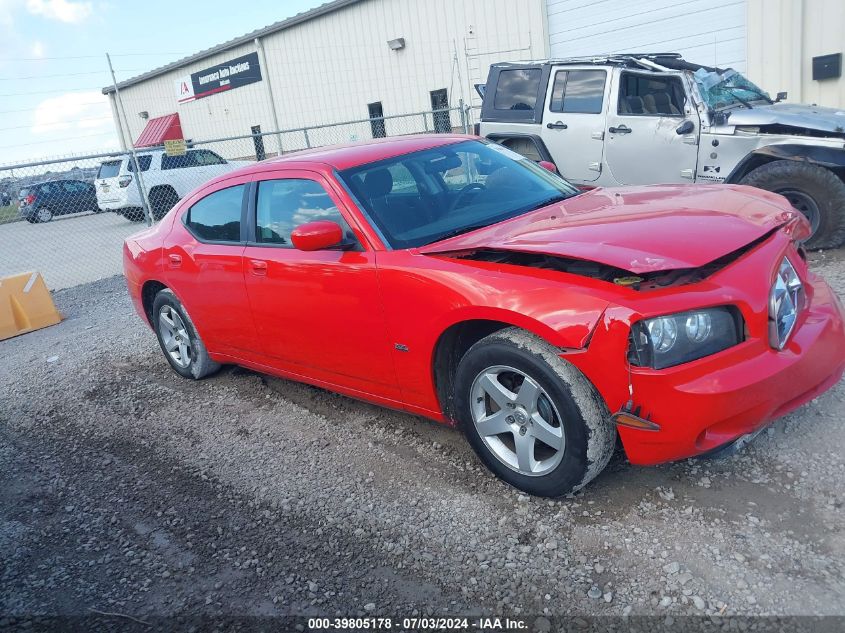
(532, 418)
(816, 192)
(182, 346)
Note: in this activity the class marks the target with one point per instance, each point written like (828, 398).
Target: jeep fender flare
(829, 157)
(539, 145)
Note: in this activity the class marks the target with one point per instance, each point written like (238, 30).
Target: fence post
(307, 140)
(463, 116)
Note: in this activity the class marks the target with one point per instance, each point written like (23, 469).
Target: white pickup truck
(166, 179)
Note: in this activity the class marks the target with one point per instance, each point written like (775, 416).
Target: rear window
(143, 162)
(23, 193)
(109, 169)
(217, 217)
(517, 89)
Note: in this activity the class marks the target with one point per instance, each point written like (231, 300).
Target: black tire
(198, 362)
(811, 189)
(97, 209)
(133, 214)
(162, 200)
(580, 413)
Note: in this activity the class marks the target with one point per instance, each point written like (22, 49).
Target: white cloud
(37, 49)
(62, 10)
(88, 111)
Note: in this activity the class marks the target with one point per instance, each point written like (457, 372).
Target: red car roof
(351, 155)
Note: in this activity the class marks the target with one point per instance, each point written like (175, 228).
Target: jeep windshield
(426, 196)
(727, 88)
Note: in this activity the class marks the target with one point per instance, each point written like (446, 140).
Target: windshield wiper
(731, 89)
(459, 231)
(559, 197)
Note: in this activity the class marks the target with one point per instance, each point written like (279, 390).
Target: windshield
(727, 88)
(429, 195)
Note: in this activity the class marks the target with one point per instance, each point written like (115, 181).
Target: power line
(40, 59)
(45, 92)
(90, 118)
(93, 72)
(57, 140)
(31, 109)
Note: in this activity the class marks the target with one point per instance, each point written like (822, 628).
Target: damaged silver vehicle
(656, 118)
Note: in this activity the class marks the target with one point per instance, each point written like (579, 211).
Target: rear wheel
(182, 346)
(161, 201)
(532, 418)
(816, 192)
(43, 215)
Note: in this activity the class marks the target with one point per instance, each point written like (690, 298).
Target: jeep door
(652, 130)
(574, 121)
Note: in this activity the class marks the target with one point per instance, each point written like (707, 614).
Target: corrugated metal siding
(711, 32)
(783, 38)
(328, 69)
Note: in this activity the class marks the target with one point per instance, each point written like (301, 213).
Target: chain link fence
(67, 217)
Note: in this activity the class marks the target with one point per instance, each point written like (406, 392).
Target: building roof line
(299, 18)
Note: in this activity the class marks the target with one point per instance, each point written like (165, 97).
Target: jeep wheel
(816, 192)
(532, 418)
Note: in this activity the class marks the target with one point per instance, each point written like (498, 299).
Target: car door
(203, 264)
(318, 314)
(574, 121)
(646, 141)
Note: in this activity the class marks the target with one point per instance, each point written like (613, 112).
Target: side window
(285, 204)
(217, 217)
(206, 157)
(179, 162)
(517, 89)
(143, 162)
(650, 95)
(46, 188)
(578, 91)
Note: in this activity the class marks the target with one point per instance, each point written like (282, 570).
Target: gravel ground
(124, 488)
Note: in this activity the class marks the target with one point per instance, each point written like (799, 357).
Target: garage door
(710, 32)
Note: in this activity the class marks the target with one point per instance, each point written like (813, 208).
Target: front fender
(830, 157)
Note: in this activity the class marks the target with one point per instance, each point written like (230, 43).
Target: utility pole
(139, 178)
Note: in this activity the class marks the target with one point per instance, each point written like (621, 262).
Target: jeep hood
(638, 229)
(793, 115)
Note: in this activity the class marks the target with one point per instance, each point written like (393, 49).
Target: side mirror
(781, 97)
(548, 166)
(316, 236)
(687, 127)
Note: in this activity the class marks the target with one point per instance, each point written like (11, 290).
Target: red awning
(159, 130)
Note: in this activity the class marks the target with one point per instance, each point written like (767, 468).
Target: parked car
(453, 278)
(166, 178)
(40, 202)
(5, 199)
(641, 119)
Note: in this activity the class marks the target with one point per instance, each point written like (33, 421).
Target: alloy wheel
(517, 420)
(174, 335)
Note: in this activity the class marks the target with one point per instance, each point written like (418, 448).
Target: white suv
(167, 179)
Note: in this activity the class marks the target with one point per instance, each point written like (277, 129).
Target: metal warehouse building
(368, 59)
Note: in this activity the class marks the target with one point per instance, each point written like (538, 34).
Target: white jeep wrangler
(655, 118)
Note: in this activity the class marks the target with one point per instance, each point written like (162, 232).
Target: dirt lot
(126, 489)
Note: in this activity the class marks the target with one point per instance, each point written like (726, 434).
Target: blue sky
(53, 65)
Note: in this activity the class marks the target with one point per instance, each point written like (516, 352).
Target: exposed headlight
(786, 299)
(680, 338)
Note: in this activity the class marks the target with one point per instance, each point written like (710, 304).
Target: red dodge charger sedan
(452, 278)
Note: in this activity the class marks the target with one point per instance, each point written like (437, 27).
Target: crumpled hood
(638, 229)
(794, 114)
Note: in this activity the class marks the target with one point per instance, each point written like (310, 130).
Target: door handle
(622, 129)
(175, 260)
(259, 266)
(557, 125)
